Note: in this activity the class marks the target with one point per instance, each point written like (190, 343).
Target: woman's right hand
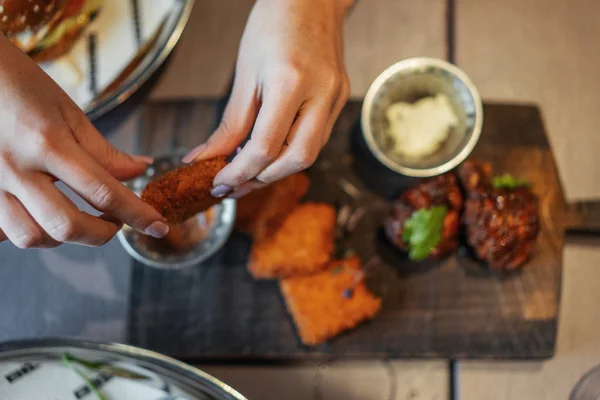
(45, 137)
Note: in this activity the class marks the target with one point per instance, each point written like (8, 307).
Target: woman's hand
(290, 86)
(45, 137)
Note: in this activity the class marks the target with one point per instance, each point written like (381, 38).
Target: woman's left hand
(289, 88)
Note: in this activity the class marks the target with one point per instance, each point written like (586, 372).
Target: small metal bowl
(409, 81)
(148, 250)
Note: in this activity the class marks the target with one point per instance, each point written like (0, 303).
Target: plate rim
(22, 347)
(140, 75)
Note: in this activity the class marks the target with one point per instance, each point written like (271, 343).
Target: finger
(344, 91)
(305, 141)
(103, 192)
(119, 164)
(21, 229)
(246, 188)
(58, 216)
(338, 106)
(272, 126)
(237, 121)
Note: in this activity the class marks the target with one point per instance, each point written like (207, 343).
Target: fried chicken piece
(301, 246)
(262, 212)
(475, 176)
(329, 302)
(502, 224)
(442, 190)
(184, 192)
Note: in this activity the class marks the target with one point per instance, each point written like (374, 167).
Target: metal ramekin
(220, 229)
(408, 81)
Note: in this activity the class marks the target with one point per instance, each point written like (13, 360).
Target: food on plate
(508, 182)
(302, 245)
(261, 212)
(419, 129)
(425, 219)
(475, 176)
(183, 236)
(329, 302)
(46, 29)
(501, 216)
(184, 192)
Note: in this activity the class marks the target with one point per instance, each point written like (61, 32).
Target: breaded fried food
(302, 245)
(184, 192)
(262, 212)
(332, 301)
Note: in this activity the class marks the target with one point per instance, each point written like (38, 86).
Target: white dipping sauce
(419, 129)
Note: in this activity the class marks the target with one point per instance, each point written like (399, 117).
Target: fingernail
(142, 159)
(220, 190)
(192, 155)
(157, 229)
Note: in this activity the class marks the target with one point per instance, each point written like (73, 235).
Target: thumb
(238, 119)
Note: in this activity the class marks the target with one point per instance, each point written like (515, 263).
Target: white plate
(122, 30)
(35, 369)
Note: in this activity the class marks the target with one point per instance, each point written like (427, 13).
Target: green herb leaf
(107, 368)
(507, 181)
(67, 362)
(337, 270)
(423, 231)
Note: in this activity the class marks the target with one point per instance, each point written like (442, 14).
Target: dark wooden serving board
(449, 309)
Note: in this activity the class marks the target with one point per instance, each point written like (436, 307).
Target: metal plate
(32, 367)
(157, 51)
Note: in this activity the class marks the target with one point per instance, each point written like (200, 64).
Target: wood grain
(577, 349)
(381, 32)
(340, 380)
(377, 34)
(203, 63)
(167, 126)
(546, 52)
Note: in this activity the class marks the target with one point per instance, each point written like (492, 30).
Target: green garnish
(507, 181)
(423, 231)
(107, 368)
(337, 270)
(67, 362)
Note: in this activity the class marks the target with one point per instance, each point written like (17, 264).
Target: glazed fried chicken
(441, 190)
(502, 223)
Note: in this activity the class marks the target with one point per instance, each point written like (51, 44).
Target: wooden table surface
(544, 51)
(539, 51)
